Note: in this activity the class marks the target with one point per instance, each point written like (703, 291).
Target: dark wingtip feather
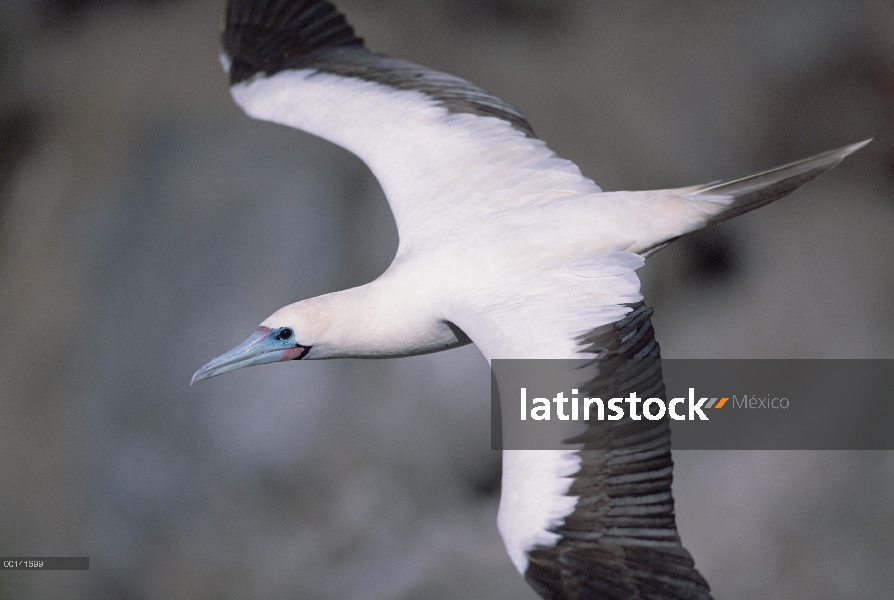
(267, 36)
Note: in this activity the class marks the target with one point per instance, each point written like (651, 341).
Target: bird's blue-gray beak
(263, 346)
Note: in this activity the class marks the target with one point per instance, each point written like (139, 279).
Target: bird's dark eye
(285, 334)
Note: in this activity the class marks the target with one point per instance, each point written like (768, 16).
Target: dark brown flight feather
(621, 541)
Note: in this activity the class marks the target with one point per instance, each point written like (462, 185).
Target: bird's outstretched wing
(445, 151)
(437, 144)
(599, 522)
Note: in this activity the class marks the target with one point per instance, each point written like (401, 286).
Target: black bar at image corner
(44, 563)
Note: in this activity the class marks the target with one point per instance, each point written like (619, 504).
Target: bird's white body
(480, 209)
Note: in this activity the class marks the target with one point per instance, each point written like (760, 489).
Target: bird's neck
(378, 320)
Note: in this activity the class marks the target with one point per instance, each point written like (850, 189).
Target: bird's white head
(288, 334)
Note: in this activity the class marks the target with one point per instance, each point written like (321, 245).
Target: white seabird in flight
(503, 244)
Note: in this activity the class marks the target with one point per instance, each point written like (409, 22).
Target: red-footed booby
(503, 244)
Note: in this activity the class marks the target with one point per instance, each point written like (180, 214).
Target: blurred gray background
(147, 225)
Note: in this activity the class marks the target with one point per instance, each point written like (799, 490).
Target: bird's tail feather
(762, 188)
(757, 190)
